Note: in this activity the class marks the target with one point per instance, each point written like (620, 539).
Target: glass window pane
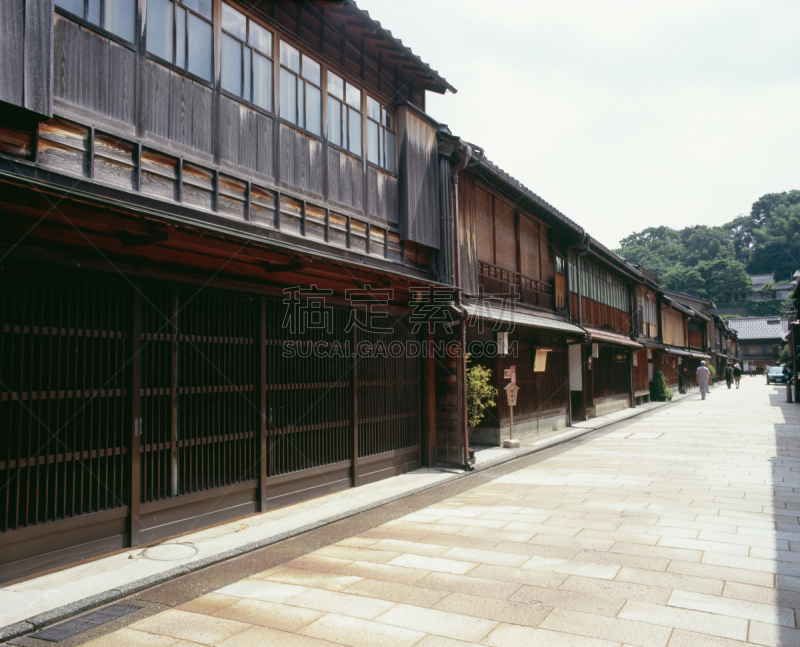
(290, 57)
(313, 109)
(372, 142)
(335, 85)
(261, 39)
(180, 37)
(234, 22)
(373, 109)
(355, 131)
(93, 12)
(231, 65)
(344, 124)
(311, 70)
(203, 7)
(201, 48)
(159, 28)
(388, 119)
(262, 81)
(391, 154)
(334, 121)
(301, 102)
(74, 6)
(288, 96)
(354, 96)
(247, 59)
(120, 18)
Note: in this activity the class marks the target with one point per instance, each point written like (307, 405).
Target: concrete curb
(37, 622)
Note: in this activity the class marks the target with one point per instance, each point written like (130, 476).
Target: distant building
(760, 339)
(781, 290)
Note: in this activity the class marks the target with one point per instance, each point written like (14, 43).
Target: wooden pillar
(174, 395)
(355, 404)
(136, 417)
(429, 394)
(264, 456)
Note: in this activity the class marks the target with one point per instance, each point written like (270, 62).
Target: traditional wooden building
(760, 340)
(647, 332)
(510, 264)
(601, 290)
(208, 208)
(697, 341)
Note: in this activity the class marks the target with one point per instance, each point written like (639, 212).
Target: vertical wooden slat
(136, 418)
(173, 443)
(355, 404)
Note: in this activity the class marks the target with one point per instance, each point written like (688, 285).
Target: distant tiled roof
(761, 279)
(760, 327)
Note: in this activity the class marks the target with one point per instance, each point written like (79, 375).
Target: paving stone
(194, 627)
(440, 623)
(615, 629)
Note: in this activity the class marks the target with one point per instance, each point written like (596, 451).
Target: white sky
(623, 114)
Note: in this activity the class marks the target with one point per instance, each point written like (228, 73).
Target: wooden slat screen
(529, 247)
(64, 441)
(388, 391)
(546, 254)
(505, 235)
(485, 225)
(672, 327)
(199, 397)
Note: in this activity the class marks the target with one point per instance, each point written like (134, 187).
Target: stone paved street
(677, 528)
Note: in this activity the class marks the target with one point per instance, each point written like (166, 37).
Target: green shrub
(712, 370)
(480, 394)
(658, 388)
(669, 394)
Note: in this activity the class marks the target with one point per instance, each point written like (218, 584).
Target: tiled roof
(761, 279)
(760, 327)
(424, 67)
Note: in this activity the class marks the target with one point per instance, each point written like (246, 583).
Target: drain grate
(64, 630)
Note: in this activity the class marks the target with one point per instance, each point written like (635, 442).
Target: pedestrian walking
(737, 374)
(703, 375)
(729, 375)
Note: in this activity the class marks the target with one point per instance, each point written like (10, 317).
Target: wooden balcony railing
(499, 280)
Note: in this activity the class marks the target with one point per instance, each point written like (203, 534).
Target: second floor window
(301, 94)
(246, 58)
(180, 32)
(380, 136)
(116, 16)
(344, 114)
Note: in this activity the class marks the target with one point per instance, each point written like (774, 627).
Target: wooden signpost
(511, 393)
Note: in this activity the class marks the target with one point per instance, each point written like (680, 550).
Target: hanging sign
(635, 359)
(511, 393)
(512, 374)
(540, 360)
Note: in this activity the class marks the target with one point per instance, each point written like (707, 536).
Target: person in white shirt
(703, 375)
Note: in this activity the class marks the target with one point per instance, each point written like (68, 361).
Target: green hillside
(713, 262)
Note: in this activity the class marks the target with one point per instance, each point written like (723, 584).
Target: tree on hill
(713, 262)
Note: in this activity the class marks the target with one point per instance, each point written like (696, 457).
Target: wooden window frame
(252, 51)
(299, 78)
(85, 22)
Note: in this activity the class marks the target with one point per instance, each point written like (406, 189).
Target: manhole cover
(64, 630)
(169, 552)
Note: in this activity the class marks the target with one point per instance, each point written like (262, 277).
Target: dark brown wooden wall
(467, 235)
(419, 179)
(26, 49)
(611, 377)
(600, 315)
(641, 379)
(541, 394)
